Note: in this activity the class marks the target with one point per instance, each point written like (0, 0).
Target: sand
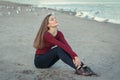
(97, 44)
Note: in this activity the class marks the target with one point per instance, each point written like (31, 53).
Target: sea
(98, 11)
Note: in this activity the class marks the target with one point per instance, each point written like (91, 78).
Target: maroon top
(59, 40)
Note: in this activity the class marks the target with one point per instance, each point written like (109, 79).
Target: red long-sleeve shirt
(58, 40)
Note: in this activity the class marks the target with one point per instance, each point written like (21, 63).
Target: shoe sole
(93, 74)
(83, 74)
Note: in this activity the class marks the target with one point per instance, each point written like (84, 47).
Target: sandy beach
(96, 43)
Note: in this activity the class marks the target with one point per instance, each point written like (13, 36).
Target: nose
(56, 20)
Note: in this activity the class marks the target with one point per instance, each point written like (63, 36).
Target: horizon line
(44, 3)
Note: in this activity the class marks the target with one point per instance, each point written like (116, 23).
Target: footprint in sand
(27, 71)
(18, 64)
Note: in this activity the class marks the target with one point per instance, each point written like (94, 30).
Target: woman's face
(52, 22)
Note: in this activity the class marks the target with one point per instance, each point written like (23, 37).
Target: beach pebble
(33, 9)
(17, 11)
(9, 13)
(29, 10)
(19, 8)
(7, 7)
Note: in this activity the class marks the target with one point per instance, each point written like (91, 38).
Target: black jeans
(51, 57)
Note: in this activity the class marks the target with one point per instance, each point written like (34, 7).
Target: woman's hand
(77, 62)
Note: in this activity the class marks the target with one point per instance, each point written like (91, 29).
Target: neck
(53, 31)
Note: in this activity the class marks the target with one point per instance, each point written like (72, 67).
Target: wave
(89, 16)
(58, 3)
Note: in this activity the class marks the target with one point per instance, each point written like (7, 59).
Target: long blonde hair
(39, 42)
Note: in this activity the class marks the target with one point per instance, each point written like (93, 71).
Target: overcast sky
(57, 1)
(80, 0)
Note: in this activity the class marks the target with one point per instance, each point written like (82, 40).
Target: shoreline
(80, 14)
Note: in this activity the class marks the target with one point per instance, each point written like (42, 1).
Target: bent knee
(59, 49)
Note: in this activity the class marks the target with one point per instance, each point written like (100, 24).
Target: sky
(80, 0)
(67, 0)
(59, 1)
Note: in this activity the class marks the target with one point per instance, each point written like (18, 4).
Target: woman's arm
(49, 38)
(76, 59)
(63, 40)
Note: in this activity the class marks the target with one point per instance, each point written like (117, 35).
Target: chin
(57, 24)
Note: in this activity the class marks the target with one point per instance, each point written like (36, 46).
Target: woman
(51, 46)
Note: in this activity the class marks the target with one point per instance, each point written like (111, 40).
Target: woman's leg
(64, 56)
(48, 59)
(51, 57)
(45, 60)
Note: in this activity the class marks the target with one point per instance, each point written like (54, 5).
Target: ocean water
(99, 11)
(102, 12)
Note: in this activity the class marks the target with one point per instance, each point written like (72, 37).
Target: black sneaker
(89, 70)
(82, 71)
(85, 71)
